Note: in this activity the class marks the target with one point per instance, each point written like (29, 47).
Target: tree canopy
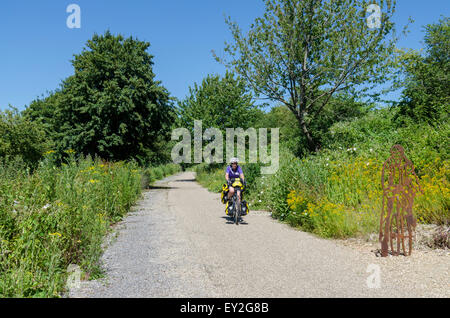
(427, 84)
(112, 106)
(219, 102)
(302, 52)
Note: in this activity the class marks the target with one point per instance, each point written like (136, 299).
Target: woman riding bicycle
(234, 171)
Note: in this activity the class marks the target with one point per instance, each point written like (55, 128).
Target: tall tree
(219, 102)
(112, 106)
(426, 97)
(302, 52)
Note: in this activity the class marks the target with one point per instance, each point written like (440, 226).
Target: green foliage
(21, 137)
(211, 177)
(59, 215)
(279, 185)
(291, 136)
(252, 171)
(220, 102)
(151, 174)
(112, 106)
(426, 96)
(337, 191)
(44, 110)
(375, 133)
(302, 53)
(56, 217)
(368, 131)
(340, 108)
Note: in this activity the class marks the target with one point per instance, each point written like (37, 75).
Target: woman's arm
(241, 173)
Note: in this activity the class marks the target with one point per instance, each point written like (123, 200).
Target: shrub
(252, 171)
(151, 174)
(21, 137)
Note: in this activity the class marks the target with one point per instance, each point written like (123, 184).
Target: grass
(57, 216)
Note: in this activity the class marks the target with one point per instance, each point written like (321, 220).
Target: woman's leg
(230, 192)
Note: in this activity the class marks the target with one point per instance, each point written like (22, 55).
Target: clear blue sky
(37, 46)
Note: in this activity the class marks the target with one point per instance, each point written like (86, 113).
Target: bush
(21, 137)
(152, 174)
(252, 171)
(374, 129)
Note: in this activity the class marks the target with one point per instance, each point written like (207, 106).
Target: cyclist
(234, 171)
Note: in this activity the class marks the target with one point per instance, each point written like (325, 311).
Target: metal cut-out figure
(400, 185)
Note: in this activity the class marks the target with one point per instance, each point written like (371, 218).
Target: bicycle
(235, 206)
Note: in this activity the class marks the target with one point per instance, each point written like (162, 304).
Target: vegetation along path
(178, 243)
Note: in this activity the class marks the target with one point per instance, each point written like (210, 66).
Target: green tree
(302, 52)
(290, 134)
(426, 95)
(219, 102)
(112, 106)
(43, 111)
(340, 108)
(20, 137)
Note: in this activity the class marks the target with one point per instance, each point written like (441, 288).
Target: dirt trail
(179, 243)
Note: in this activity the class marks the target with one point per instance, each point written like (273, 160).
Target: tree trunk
(312, 146)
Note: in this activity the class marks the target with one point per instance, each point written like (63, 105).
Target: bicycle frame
(236, 204)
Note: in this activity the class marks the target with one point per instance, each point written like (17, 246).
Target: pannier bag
(228, 209)
(245, 209)
(224, 194)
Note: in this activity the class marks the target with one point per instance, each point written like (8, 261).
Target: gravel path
(178, 243)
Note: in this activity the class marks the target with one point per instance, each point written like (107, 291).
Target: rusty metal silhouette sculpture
(397, 220)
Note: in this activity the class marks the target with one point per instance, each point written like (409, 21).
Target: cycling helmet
(234, 160)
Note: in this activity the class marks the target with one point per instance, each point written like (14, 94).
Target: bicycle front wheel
(237, 210)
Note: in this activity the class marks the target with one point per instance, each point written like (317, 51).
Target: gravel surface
(178, 243)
